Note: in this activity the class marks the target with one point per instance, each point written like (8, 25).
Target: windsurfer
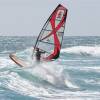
(38, 54)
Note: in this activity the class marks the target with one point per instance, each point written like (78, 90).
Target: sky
(27, 17)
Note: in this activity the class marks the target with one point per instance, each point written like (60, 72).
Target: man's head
(37, 49)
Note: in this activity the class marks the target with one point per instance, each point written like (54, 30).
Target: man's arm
(42, 51)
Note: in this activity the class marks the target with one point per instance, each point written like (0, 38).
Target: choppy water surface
(74, 76)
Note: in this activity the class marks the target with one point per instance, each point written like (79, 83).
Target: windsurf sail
(51, 35)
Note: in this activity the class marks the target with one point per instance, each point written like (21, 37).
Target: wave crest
(83, 50)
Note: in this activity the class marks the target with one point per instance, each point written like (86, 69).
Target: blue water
(74, 76)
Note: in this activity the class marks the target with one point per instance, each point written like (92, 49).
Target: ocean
(74, 76)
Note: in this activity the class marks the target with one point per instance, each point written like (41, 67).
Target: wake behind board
(18, 61)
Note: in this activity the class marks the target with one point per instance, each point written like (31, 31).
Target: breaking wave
(83, 50)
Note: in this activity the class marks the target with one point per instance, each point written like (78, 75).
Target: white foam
(53, 73)
(26, 87)
(23, 86)
(26, 52)
(6, 52)
(86, 68)
(91, 50)
(92, 81)
(5, 62)
(48, 71)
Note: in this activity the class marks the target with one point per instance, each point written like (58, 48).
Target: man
(38, 54)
